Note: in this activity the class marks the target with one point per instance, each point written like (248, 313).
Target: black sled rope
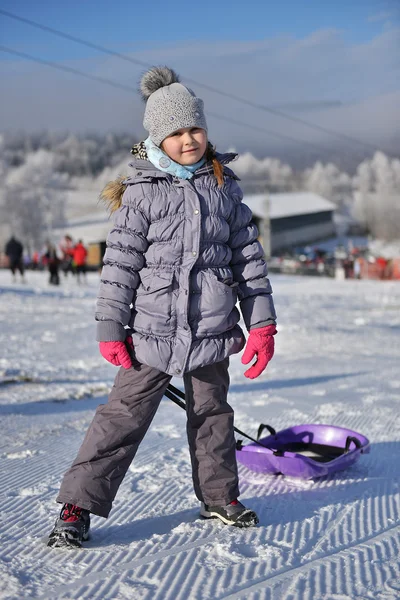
(178, 397)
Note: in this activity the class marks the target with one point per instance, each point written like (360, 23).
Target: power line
(132, 89)
(263, 130)
(213, 89)
(283, 115)
(48, 63)
(73, 38)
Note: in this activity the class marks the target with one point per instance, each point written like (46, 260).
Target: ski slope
(337, 361)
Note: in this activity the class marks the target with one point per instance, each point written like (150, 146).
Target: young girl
(182, 251)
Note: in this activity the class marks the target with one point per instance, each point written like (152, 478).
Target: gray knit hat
(169, 104)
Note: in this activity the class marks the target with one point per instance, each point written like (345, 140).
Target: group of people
(67, 256)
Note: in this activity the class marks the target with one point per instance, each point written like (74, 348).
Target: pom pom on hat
(156, 78)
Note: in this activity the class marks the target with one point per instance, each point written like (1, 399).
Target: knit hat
(169, 104)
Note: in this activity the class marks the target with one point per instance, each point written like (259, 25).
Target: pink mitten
(261, 344)
(116, 352)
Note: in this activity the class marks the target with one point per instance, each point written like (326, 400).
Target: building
(291, 219)
(297, 219)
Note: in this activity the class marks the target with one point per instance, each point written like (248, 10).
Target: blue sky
(299, 56)
(129, 24)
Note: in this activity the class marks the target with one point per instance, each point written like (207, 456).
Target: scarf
(163, 162)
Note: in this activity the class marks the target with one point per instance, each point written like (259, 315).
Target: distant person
(52, 260)
(348, 264)
(182, 251)
(357, 267)
(388, 270)
(14, 251)
(382, 267)
(66, 248)
(35, 264)
(79, 261)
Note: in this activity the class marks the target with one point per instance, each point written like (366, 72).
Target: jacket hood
(112, 193)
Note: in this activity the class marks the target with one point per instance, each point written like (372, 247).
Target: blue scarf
(163, 162)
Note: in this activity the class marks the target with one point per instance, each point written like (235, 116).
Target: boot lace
(71, 513)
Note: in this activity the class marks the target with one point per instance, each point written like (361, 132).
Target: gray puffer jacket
(179, 256)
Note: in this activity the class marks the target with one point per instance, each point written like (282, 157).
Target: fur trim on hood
(111, 195)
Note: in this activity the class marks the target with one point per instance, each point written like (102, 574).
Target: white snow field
(337, 361)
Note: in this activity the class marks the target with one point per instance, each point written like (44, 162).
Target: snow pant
(16, 264)
(67, 266)
(80, 270)
(54, 276)
(119, 426)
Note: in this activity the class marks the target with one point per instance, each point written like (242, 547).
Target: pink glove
(261, 344)
(117, 353)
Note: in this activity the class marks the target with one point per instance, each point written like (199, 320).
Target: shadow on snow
(42, 407)
(275, 384)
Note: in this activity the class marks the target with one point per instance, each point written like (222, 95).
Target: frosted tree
(74, 155)
(3, 165)
(265, 173)
(3, 172)
(377, 196)
(34, 201)
(111, 172)
(329, 182)
(89, 155)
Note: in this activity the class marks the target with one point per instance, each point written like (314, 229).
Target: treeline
(76, 155)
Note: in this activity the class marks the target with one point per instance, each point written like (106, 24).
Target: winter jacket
(180, 255)
(14, 249)
(51, 256)
(79, 255)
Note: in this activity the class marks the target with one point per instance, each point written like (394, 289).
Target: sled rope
(178, 397)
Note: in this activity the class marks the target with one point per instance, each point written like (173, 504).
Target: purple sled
(306, 451)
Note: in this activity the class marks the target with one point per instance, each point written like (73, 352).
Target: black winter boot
(71, 528)
(233, 513)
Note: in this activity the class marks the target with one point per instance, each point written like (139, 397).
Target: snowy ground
(337, 361)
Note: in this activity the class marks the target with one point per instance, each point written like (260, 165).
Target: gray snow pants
(119, 426)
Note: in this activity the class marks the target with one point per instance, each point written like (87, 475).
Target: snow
(337, 361)
(287, 205)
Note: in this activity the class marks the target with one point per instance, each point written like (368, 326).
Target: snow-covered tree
(3, 164)
(328, 181)
(264, 173)
(34, 201)
(377, 196)
(77, 155)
